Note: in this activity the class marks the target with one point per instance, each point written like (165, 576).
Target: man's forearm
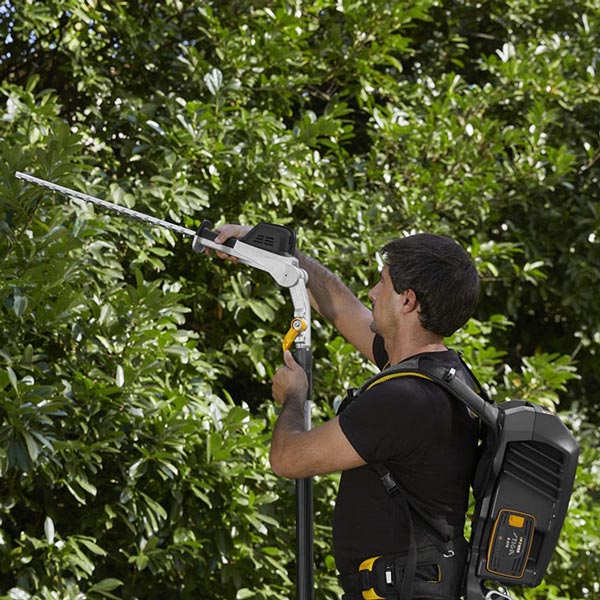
(289, 423)
(328, 294)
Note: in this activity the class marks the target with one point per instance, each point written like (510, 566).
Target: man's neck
(400, 352)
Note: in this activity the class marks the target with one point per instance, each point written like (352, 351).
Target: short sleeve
(393, 420)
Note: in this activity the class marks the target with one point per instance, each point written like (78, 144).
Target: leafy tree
(135, 411)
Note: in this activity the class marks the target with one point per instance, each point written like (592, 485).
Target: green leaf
(120, 377)
(92, 546)
(20, 303)
(106, 585)
(86, 485)
(214, 81)
(32, 447)
(12, 377)
(77, 494)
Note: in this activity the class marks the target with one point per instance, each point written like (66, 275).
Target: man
(427, 289)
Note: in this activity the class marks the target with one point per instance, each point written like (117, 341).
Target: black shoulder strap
(425, 367)
(410, 567)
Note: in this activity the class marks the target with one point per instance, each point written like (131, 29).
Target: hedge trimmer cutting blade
(121, 209)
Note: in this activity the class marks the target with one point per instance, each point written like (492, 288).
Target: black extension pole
(304, 502)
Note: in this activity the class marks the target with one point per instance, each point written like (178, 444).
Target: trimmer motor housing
(277, 239)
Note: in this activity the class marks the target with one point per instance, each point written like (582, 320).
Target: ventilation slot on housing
(265, 241)
(537, 465)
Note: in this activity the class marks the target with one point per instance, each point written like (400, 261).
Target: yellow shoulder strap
(399, 374)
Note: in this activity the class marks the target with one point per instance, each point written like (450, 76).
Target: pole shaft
(304, 539)
(304, 502)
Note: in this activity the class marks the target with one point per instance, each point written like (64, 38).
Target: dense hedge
(135, 412)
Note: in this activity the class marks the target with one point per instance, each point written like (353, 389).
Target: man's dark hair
(441, 274)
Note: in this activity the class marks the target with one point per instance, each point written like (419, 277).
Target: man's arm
(334, 301)
(295, 452)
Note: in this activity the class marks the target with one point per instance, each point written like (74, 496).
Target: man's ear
(409, 300)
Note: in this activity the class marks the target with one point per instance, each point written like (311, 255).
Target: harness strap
(393, 490)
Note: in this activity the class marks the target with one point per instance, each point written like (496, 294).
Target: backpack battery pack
(522, 487)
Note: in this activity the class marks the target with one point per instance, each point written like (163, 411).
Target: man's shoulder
(411, 375)
(446, 357)
(388, 388)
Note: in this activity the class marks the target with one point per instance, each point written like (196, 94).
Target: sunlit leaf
(49, 530)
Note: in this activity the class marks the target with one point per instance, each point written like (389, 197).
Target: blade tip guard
(204, 231)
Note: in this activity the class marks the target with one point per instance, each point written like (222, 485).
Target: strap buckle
(449, 374)
(390, 484)
(370, 578)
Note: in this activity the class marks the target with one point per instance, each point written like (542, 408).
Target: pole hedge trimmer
(270, 248)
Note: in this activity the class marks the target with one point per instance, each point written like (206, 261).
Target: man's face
(383, 296)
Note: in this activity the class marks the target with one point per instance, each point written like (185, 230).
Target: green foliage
(135, 414)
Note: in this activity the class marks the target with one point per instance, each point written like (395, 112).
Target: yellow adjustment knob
(297, 326)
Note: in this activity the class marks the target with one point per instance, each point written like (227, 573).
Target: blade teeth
(104, 203)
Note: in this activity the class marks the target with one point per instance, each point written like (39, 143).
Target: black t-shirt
(427, 440)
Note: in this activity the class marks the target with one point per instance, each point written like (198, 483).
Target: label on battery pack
(510, 543)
